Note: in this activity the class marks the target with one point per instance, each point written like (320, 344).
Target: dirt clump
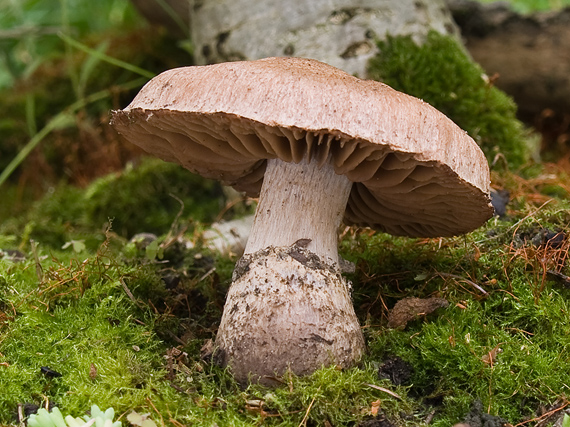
(477, 417)
(396, 370)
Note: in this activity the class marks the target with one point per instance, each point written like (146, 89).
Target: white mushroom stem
(289, 307)
(297, 202)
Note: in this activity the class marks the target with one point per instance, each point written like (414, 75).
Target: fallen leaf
(93, 371)
(490, 357)
(408, 309)
(374, 407)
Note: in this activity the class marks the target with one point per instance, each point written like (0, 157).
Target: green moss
(80, 314)
(441, 73)
(521, 319)
(148, 197)
(55, 219)
(451, 352)
(530, 6)
(80, 318)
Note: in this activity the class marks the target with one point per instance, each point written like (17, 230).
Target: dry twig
(385, 390)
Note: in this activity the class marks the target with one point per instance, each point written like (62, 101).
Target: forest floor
(94, 312)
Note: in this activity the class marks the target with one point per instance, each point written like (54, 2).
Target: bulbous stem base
(286, 309)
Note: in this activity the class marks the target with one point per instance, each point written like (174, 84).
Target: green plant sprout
(98, 418)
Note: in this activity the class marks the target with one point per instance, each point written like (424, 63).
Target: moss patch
(148, 197)
(441, 73)
(126, 331)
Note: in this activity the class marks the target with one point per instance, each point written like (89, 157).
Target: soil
(396, 370)
(296, 251)
(408, 309)
(377, 421)
(477, 417)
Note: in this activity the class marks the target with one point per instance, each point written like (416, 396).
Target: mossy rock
(441, 73)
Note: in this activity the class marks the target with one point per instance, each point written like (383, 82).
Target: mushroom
(317, 145)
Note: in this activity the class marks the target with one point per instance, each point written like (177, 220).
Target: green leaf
(140, 420)
(154, 250)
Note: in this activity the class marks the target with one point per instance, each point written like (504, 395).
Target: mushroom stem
(300, 201)
(289, 307)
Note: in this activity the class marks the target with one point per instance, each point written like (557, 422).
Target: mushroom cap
(415, 172)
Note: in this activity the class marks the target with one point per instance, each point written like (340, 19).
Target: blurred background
(64, 65)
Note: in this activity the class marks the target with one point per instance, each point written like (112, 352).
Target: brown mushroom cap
(415, 172)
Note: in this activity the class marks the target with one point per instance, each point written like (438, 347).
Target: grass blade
(104, 57)
(60, 120)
